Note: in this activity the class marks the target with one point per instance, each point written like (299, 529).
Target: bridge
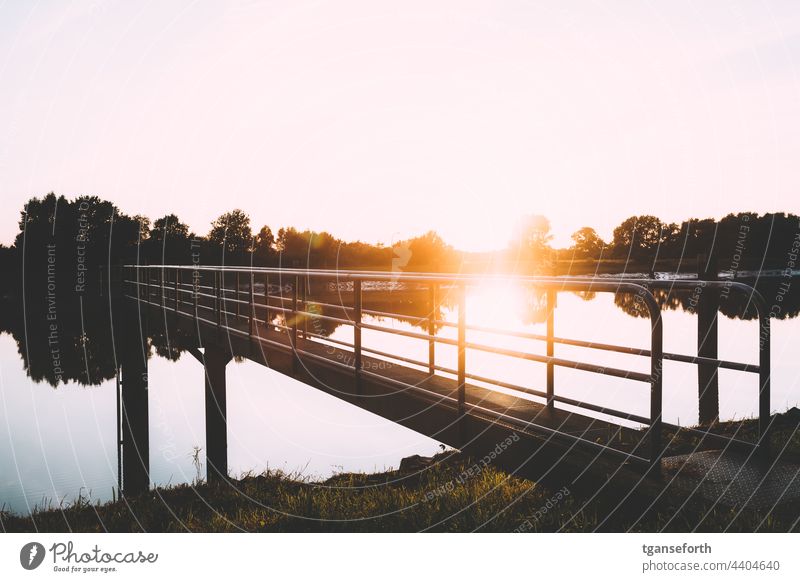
(278, 318)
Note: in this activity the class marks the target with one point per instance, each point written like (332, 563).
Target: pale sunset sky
(380, 120)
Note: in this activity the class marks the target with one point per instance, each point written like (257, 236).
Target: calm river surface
(57, 443)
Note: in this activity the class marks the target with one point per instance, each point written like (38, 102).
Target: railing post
(764, 385)
(236, 296)
(224, 295)
(161, 283)
(294, 319)
(551, 325)
(656, 377)
(462, 358)
(305, 307)
(357, 363)
(432, 329)
(219, 281)
(195, 295)
(299, 306)
(252, 305)
(177, 281)
(267, 314)
(707, 341)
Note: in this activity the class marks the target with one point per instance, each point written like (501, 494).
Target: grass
(435, 497)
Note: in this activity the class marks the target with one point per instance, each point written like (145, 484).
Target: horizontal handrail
(455, 278)
(683, 358)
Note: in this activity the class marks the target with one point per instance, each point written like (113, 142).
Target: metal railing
(218, 296)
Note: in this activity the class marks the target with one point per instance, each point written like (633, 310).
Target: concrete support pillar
(214, 362)
(135, 417)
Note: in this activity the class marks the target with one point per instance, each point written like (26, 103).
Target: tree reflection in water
(77, 344)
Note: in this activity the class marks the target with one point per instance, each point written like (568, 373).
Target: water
(58, 442)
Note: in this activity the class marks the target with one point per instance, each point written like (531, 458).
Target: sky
(378, 121)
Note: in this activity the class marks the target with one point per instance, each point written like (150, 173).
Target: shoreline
(440, 493)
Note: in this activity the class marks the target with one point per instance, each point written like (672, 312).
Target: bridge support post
(707, 342)
(215, 361)
(134, 412)
(551, 326)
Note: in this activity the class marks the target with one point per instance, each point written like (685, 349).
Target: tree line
(743, 239)
(69, 240)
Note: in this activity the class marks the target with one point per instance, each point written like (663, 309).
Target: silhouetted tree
(533, 234)
(307, 249)
(169, 227)
(360, 255)
(638, 237)
(587, 243)
(169, 241)
(263, 247)
(429, 252)
(292, 246)
(670, 240)
(8, 259)
(531, 243)
(144, 226)
(694, 237)
(232, 235)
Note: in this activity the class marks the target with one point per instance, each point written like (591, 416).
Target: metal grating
(733, 479)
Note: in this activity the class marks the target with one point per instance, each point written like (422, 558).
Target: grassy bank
(445, 493)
